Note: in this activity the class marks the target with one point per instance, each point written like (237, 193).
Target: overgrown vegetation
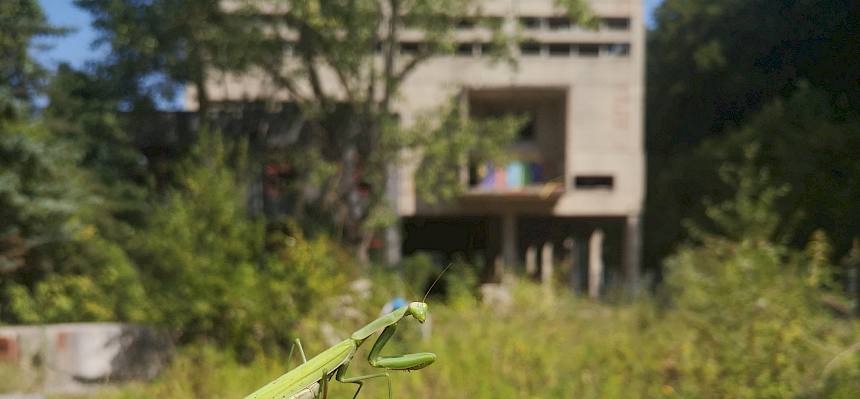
(752, 205)
(740, 315)
(735, 329)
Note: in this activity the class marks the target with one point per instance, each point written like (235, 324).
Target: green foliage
(56, 263)
(213, 274)
(755, 315)
(723, 75)
(447, 141)
(20, 75)
(157, 46)
(200, 251)
(566, 347)
(82, 110)
(110, 290)
(749, 215)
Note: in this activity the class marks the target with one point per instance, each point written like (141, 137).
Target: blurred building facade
(577, 179)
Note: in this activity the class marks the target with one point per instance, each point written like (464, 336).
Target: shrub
(56, 262)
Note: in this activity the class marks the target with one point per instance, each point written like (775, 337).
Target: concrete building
(579, 169)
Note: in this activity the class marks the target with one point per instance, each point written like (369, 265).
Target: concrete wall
(72, 357)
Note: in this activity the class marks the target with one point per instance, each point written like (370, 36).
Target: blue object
(516, 174)
(398, 303)
(488, 181)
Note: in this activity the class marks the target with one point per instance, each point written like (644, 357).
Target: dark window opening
(617, 23)
(464, 49)
(527, 132)
(530, 22)
(617, 49)
(488, 48)
(559, 49)
(558, 23)
(530, 48)
(589, 50)
(594, 182)
(465, 23)
(409, 47)
(493, 22)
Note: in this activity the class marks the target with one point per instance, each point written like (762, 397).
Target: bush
(214, 273)
(755, 322)
(56, 262)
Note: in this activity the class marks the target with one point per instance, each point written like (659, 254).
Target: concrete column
(393, 242)
(546, 264)
(393, 239)
(509, 239)
(632, 251)
(572, 247)
(531, 261)
(595, 263)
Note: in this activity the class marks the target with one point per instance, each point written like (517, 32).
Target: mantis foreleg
(359, 380)
(408, 361)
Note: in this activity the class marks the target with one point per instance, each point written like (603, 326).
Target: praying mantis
(310, 379)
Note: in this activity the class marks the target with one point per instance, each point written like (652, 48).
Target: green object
(312, 376)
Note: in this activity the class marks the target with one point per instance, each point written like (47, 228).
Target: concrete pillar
(393, 242)
(393, 239)
(509, 239)
(531, 261)
(632, 251)
(571, 246)
(546, 265)
(595, 263)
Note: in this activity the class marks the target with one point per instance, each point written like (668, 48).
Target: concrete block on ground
(74, 357)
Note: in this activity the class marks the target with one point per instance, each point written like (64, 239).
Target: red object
(8, 349)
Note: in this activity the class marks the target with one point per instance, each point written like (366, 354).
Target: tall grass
(557, 347)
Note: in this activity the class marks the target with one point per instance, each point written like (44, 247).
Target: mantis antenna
(436, 281)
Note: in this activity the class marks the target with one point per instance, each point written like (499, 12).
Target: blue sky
(76, 47)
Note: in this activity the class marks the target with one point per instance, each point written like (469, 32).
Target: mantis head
(418, 310)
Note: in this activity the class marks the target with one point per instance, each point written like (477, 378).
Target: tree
(352, 133)
(712, 67)
(156, 47)
(22, 21)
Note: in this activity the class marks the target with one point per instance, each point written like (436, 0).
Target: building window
(588, 50)
(530, 48)
(409, 47)
(465, 49)
(558, 23)
(559, 49)
(488, 48)
(594, 182)
(617, 49)
(527, 132)
(530, 23)
(613, 23)
(493, 22)
(465, 23)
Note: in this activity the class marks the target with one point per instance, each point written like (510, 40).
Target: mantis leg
(298, 343)
(323, 390)
(301, 350)
(408, 361)
(359, 380)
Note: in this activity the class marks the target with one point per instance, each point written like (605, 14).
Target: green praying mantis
(310, 379)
